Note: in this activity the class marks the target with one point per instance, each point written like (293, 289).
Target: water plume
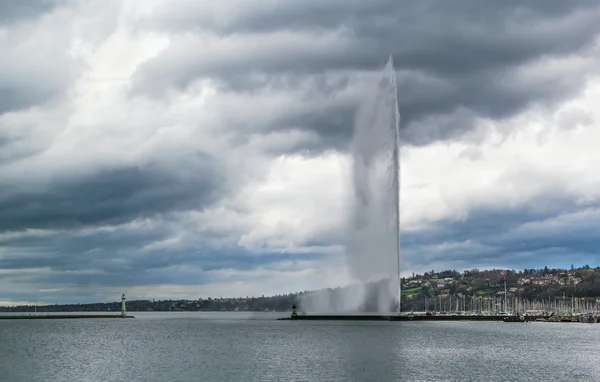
(373, 243)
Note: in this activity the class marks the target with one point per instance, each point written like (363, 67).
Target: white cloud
(440, 182)
(301, 199)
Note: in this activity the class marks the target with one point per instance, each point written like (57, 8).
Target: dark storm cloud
(106, 248)
(182, 268)
(450, 56)
(546, 231)
(248, 17)
(117, 258)
(196, 271)
(108, 197)
(13, 11)
(489, 222)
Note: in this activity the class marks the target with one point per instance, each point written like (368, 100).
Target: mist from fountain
(373, 245)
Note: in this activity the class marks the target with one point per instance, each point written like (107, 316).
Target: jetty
(64, 316)
(59, 316)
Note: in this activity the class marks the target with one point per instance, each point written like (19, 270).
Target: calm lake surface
(255, 347)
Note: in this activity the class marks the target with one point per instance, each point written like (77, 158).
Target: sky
(186, 149)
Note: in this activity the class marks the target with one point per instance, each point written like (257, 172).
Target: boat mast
(505, 307)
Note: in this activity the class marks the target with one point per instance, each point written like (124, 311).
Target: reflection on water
(254, 347)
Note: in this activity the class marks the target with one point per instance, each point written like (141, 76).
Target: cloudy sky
(185, 149)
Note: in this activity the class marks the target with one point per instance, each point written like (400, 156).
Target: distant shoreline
(431, 291)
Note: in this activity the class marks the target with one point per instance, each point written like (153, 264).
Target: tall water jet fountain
(373, 250)
(373, 245)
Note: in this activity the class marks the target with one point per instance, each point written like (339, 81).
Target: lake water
(256, 347)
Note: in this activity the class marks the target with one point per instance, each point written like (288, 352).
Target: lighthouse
(123, 310)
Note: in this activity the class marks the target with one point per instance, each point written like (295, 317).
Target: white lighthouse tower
(123, 310)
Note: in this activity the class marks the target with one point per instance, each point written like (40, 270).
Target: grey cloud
(12, 99)
(454, 60)
(27, 91)
(471, 153)
(494, 236)
(13, 148)
(39, 62)
(461, 37)
(248, 17)
(109, 197)
(105, 249)
(116, 258)
(12, 11)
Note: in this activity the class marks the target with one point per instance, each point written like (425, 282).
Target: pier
(48, 316)
(59, 316)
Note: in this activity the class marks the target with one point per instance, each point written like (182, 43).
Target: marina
(590, 317)
(373, 317)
